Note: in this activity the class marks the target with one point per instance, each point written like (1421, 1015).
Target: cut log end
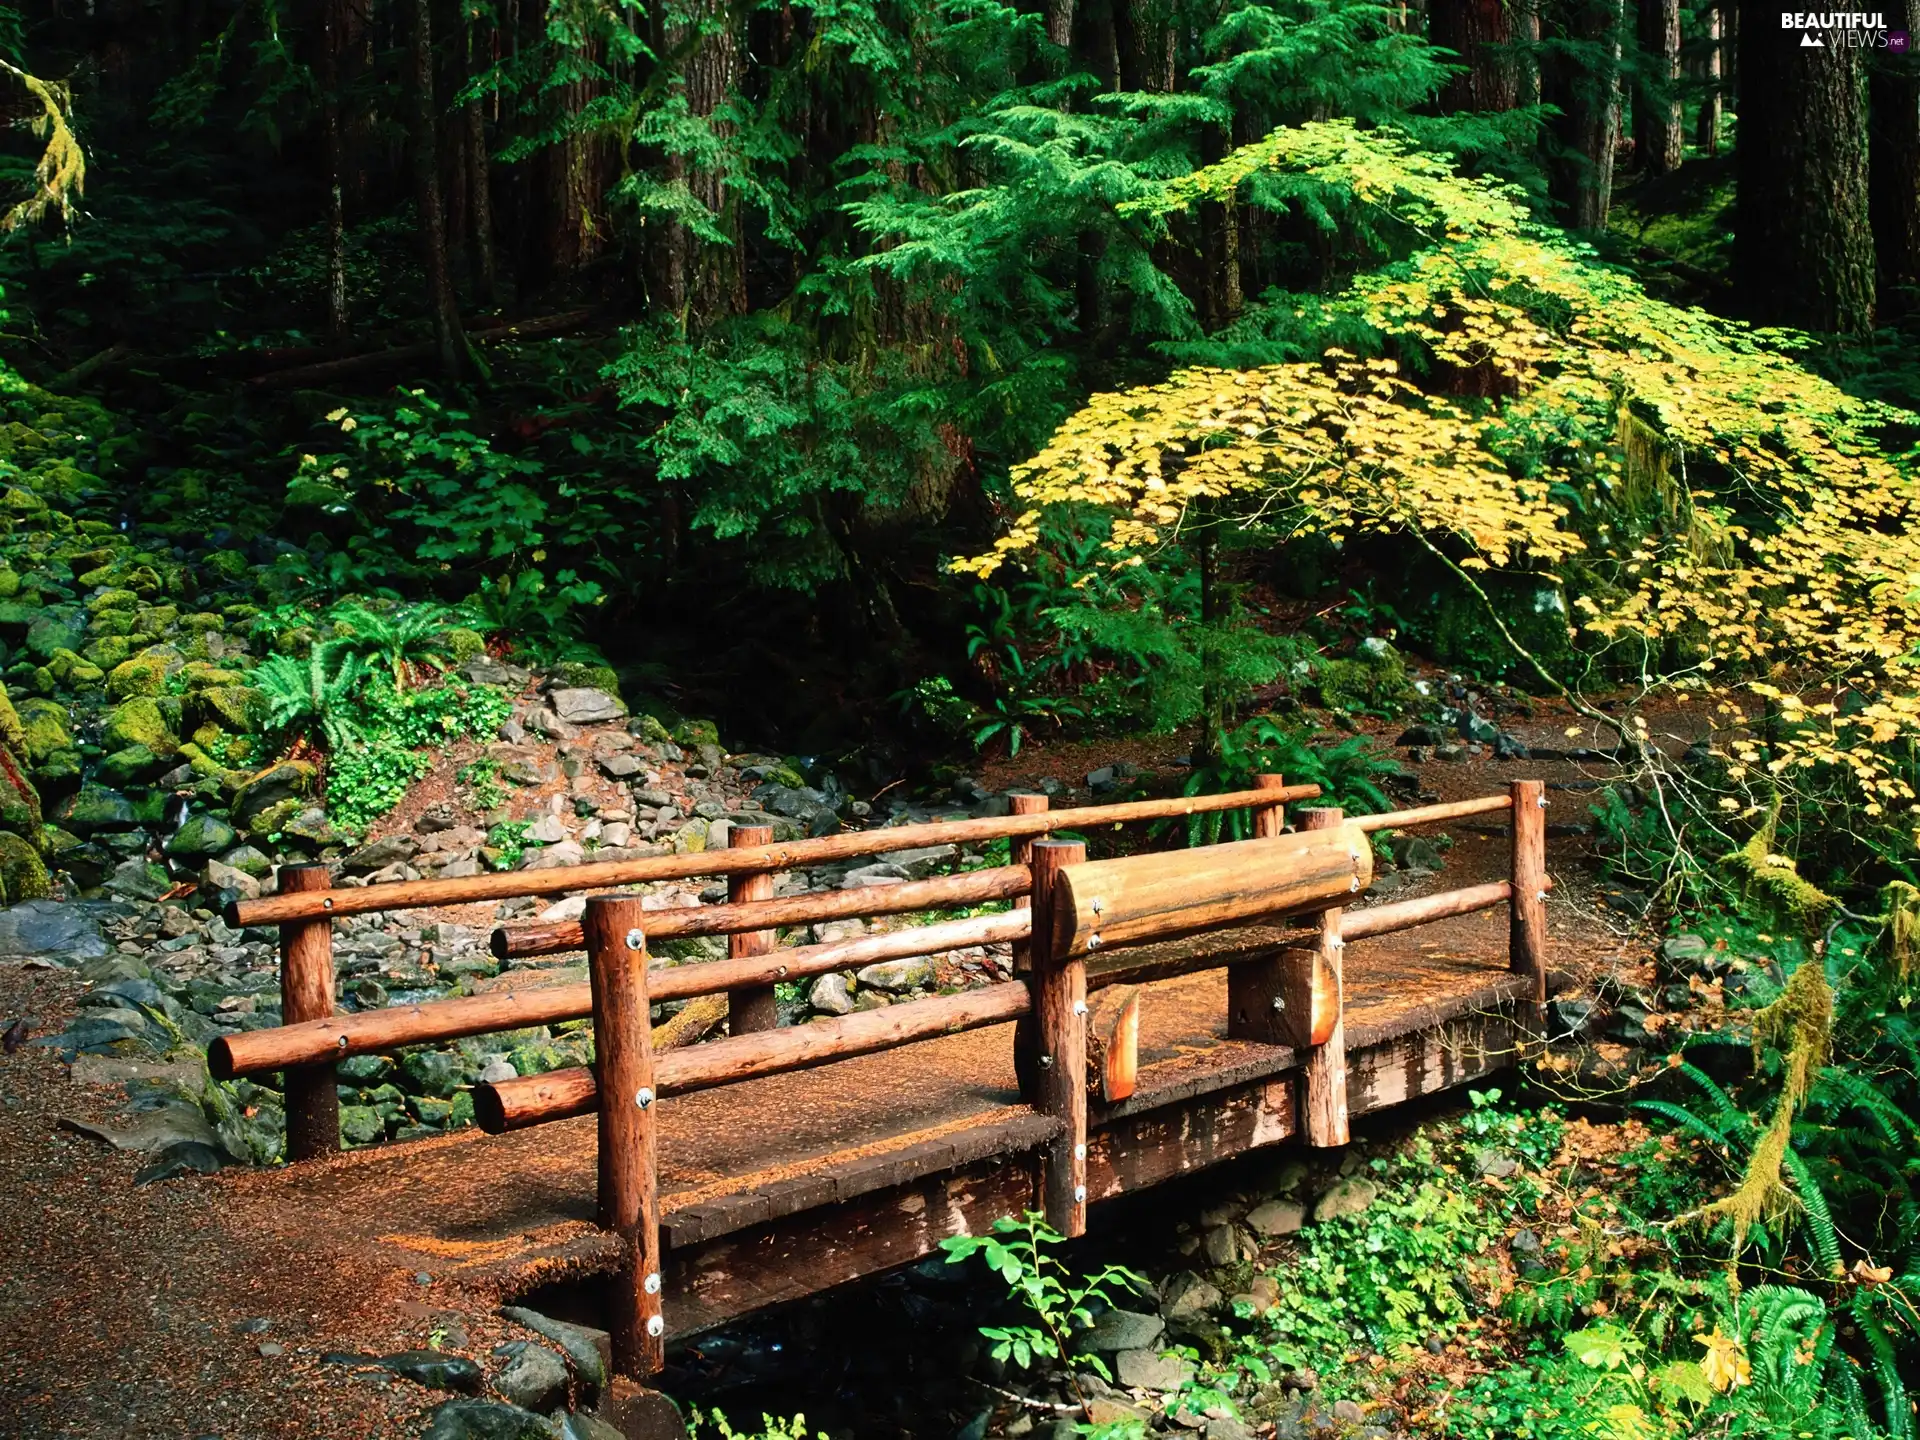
(1113, 1043)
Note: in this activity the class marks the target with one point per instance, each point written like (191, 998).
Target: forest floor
(157, 1310)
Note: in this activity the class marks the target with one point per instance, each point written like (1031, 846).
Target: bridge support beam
(752, 1008)
(1324, 1107)
(629, 1178)
(1059, 1085)
(306, 993)
(1258, 991)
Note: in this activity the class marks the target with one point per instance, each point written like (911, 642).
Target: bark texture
(1803, 246)
(1581, 78)
(1657, 128)
(1480, 32)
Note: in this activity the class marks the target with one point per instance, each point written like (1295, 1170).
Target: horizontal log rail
(374, 1032)
(788, 855)
(978, 887)
(1432, 814)
(563, 1094)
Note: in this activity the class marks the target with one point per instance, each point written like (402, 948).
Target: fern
(398, 638)
(315, 693)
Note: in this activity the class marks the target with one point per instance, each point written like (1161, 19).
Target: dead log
(1113, 1043)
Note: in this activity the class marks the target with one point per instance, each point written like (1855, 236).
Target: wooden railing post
(306, 993)
(1326, 1068)
(1527, 905)
(754, 1008)
(1059, 1084)
(629, 1185)
(1020, 852)
(1257, 989)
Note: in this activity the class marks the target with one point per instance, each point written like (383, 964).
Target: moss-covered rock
(55, 631)
(141, 721)
(202, 622)
(238, 707)
(464, 645)
(9, 583)
(227, 564)
(73, 670)
(97, 810)
(19, 801)
(108, 651)
(112, 623)
(111, 599)
(134, 765)
(142, 675)
(579, 675)
(23, 874)
(13, 730)
(41, 727)
(202, 836)
(279, 788)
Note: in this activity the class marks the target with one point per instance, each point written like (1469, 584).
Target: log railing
(313, 1038)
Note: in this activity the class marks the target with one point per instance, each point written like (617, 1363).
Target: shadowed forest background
(919, 390)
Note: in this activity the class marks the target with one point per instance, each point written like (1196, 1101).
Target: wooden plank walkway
(782, 1186)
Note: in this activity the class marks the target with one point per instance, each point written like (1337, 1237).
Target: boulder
(47, 930)
(23, 874)
(1276, 1218)
(140, 721)
(587, 706)
(485, 1420)
(142, 675)
(202, 836)
(831, 995)
(896, 976)
(139, 879)
(1123, 1330)
(1149, 1370)
(270, 789)
(535, 1379)
(588, 1350)
(1346, 1197)
(1189, 1297)
(97, 810)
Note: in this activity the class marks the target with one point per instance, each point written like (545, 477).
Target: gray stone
(435, 1370)
(49, 930)
(1149, 1370)
(586, 1427)
(139, 879)
(218, 875)
(1188, 1297)
(1348, 1412)
(830, 995)
(379, 854)
(1489, 1161)
(1477, 730)
(898, 975)
(622, 767)
(1422, 735)
(536, 1379)
(919, 864)
(867, 876)
(497, 1072)
(547, 830)
(151, 1130)
(1415, 852)
(587, 706)
(1226, 1427)
(1221, 1244)
(253, 862)
(1123, 1330)
(589, 1351)
(1683, 949)
(872, 1000)
(1277, 1217)
(1569, 1017)
(183, 1157)
(484, 1420)
(1346, 1197)
(202, 835)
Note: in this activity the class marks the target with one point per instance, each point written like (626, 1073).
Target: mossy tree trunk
(1481, 33)
(1581, 78)
(1893, 184)
(1657, 128)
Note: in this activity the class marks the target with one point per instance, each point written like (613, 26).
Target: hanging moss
(1774, 880)
(1800, 1025)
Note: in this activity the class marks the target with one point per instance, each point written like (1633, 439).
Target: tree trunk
(1656, 102)
(1707, 135)
(1143, 30)
(716, 275)
(479, 173)
(1893, 187)
(1583, 81)
(332, 38)
(447, 335)
(1529, 67)
(1480, 32)
(1803, 246)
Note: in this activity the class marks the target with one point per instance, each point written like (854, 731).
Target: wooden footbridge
(1167, 1011)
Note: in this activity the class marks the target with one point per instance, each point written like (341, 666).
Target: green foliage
(1350, 774)
(771, 1428)
(320, 693)
(394, 736)
(508, 840)
(1056, 1300)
